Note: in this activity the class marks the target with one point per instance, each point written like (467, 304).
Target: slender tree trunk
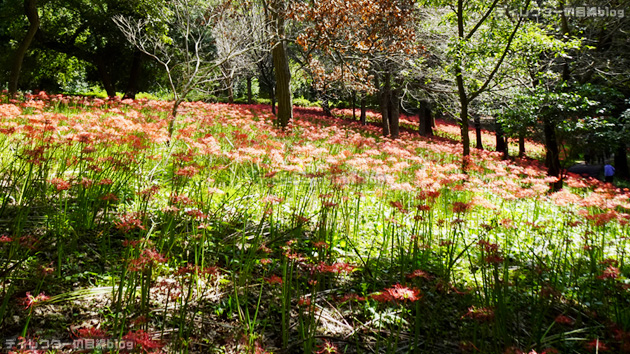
(394, 113)
(501, 141)
(552, 160)
(477, 120)
(281, 65)
(249, 90)
(521, 145)
(354, 105)
(425, 119)
(230, 91)
(363, 111)
(621, 162)
(384, 102)
(171, 123)
(273, 100)
(463, 116)
(502, 144)
(30, 8)
(134, 75)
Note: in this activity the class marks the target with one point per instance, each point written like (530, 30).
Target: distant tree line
(553, 76)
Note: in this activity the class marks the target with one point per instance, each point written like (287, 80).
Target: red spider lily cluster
(274, 279)
(336, 268)
(326, 348)
(31, 301)
(144, 341)
(398, 293)
(148, 258)
(483, 314)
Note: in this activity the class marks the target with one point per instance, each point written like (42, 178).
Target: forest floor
(234, 236)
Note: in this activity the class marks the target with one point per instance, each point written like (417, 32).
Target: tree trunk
(105, 77)
(134, 75)
(521, 145)
(425, 119)
(325, 105)
(394, 113)
(385, 102)
(363, 112)
(501, 142)
(171, 123)
(249, 90)
(30, 8)
(273, 100)
(230, 91)
(281, 66)
(463, 116)
(552, 159)
(621, 162)
(354, 105)
(477, 120)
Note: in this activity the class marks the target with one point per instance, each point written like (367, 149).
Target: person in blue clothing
(609, 172)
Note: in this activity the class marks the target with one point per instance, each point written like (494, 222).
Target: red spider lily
(196, 213)
(31, 301)
(188, 171)
(29, 241)
(493, 259)
(418, 273)
(399, 206)
(46, 270)
(60, 184)
(481, 314)
(329, 204)
(265, 261)
(147, 258)
(144, 340)
(320, 244)
(151, 191)
(488, 247)
(603, 218)
(565, 320)
(89, 332)
(109, 197)
(610, 273)
(128, 222)
(596, 346)
(460, 207)
(272, 199)
(86, 182)
(337, 267)
(274, 279)
(398, 293)
(350, 297)
(304, 302)
(140, 320)
(25, 345)
(326, 348)
(5, 239)
(105, 182)
(177, 199)
(195, 269)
